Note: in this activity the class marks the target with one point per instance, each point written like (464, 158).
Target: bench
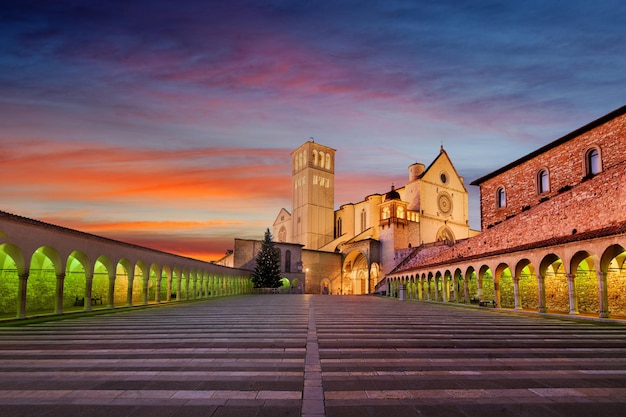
(95, 299)
(487, 303)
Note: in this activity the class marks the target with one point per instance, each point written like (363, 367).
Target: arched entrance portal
(325, 287)
(355, 274)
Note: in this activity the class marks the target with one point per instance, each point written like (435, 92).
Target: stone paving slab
(312, 356)
(424, 359)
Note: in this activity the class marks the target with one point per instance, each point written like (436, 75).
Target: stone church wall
(320, 266)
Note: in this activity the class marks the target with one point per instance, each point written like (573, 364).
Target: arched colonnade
(586, 277)
(49, 269)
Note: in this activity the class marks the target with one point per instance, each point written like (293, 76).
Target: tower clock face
(445, 203)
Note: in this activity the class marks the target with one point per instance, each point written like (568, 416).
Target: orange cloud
(164, 199)
(162, 226)
(67, 171)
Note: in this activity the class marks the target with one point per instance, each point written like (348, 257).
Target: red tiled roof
(423, 262)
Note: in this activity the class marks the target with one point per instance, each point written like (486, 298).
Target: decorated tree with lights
(267, 270)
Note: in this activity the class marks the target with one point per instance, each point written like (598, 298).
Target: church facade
(349, 250)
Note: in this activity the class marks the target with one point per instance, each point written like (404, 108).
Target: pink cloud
(72, 171)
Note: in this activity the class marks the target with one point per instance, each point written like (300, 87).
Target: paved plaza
(303, 355)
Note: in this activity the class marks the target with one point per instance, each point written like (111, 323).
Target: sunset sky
(170, 124)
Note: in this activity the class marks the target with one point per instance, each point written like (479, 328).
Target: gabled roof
(598, 122)
(282, 211)
(443, 153)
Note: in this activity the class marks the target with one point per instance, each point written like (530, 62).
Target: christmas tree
(267, 270)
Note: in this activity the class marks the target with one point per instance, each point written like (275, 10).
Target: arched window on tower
(593, 162)
(327, 161)
(363, 220)
(500, 198)
(543, 181)
(339, 232)
(315, 157)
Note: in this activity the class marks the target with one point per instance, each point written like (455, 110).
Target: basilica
(349, 250)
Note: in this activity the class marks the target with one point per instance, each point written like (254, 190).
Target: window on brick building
(593, 163)
(543, 181)
(500, 198)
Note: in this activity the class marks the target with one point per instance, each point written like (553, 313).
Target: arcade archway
(355, 274)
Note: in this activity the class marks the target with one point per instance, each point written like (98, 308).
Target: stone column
(58, 308)
(516, 295)
(573, 297)
(145, 284)
(178, 287)
(169, 286)
(111, 297)
(454, 292)
(157, 296)
(444, 289)
(604, 294)
(131, 283)
(428, 289)
(479, 291)
(88, 285)
(496, 292)
(21, 295)
(466, 290)
(541, 294)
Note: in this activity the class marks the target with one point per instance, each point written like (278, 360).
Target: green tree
(267, 270)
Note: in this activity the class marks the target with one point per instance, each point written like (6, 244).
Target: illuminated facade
(347, 251)
(554, 232)
(313, 191)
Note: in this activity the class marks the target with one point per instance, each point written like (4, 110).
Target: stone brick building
(553, 239)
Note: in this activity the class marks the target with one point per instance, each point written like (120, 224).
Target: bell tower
(313, 188)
